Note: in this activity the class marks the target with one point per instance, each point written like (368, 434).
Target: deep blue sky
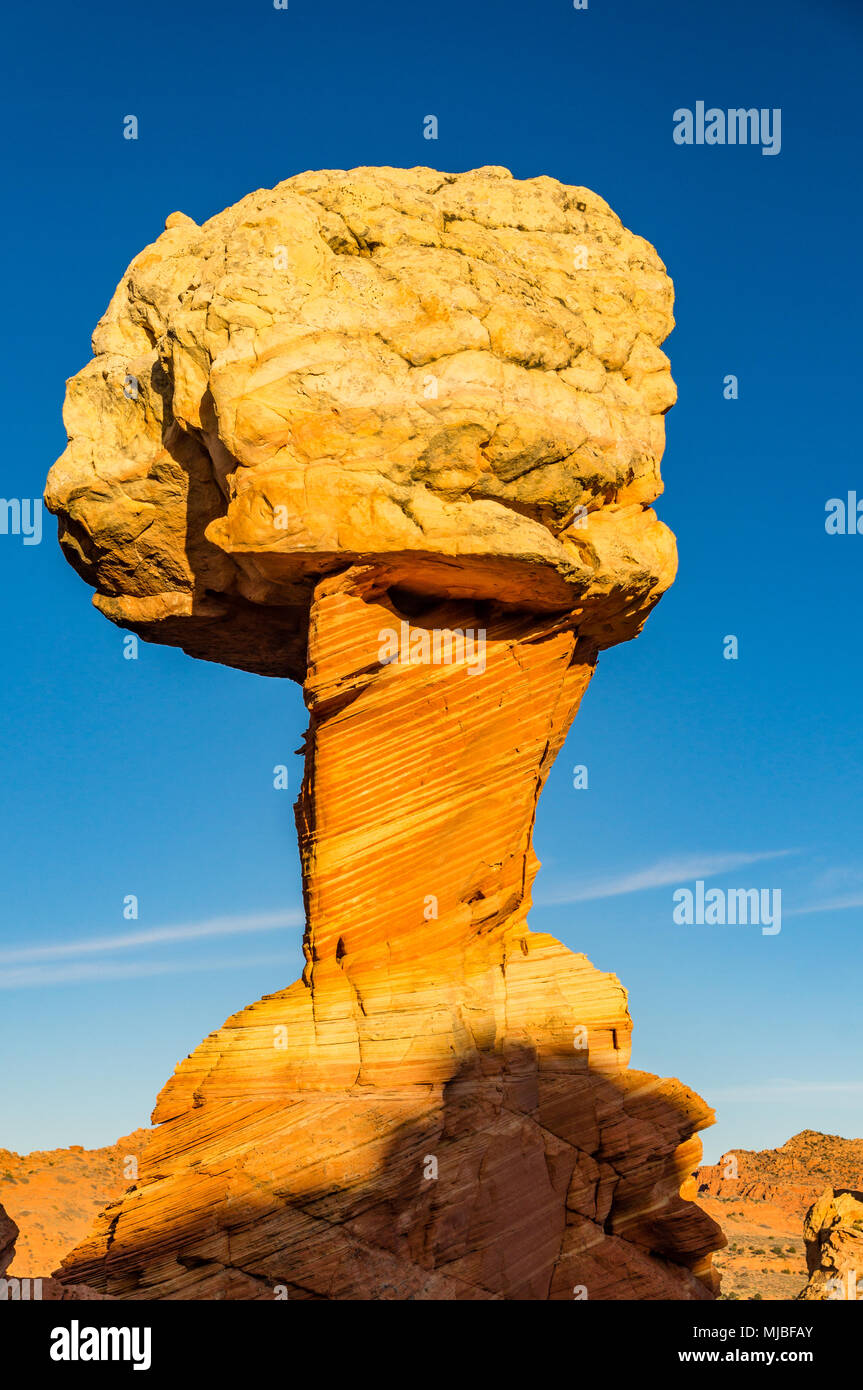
(155, 777)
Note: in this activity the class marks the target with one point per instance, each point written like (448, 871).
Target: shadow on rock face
(524, 1177)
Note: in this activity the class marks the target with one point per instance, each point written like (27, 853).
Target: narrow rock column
(422, 781)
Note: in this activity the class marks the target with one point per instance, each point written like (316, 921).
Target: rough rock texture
(398, 402)
(833, 1231)
(8, 1237)
(432, 371)
(53, 1196)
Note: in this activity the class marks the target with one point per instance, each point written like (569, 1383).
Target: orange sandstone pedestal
(441, 1108)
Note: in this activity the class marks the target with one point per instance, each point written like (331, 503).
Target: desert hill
(760, 1199)
(53, 1197)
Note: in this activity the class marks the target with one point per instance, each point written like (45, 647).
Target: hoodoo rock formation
(395, 434)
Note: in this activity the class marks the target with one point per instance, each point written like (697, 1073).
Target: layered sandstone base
(441, 1108)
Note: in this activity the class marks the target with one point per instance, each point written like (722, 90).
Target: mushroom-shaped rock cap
(455, 378)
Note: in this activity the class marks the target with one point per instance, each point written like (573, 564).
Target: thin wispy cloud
(678, 870)
(39, 976)
(156, 936)
(832, 905)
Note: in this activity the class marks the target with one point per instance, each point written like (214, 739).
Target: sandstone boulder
(833, 1231)
(457, 377)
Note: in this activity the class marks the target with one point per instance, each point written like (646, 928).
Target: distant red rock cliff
(791, 1177)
